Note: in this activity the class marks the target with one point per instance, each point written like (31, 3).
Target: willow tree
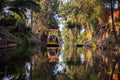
(81, 12)
(113, 25)
(75, 30)
(14, 11)
(19, 7)
(46, 17)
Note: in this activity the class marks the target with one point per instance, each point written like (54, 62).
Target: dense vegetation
(92, 23)
(13, 19)
(27, 20)
(89, 22)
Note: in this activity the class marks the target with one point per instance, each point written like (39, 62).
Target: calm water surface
(52, 63)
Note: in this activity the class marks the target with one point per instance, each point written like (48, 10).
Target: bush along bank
(8, 39)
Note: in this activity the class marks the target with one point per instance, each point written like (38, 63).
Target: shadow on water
(12, 62)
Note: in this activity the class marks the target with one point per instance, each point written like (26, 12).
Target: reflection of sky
(61, 26)
(27, 67)
(60, 58)
(64, 1)
(59, 68)
(6, 9)
(83, 29)
(82, 56)
(8, 77)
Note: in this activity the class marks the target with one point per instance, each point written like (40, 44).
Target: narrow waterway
(59, 63)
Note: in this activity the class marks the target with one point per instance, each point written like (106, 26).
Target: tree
(18, 7)
(46, 18)
(113, 25)
(80, 13)
(47, 14)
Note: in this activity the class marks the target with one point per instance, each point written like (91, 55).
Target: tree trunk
(113, 25)
(31, 19)
(119, 20)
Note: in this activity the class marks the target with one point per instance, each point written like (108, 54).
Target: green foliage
(15, 62)
(14, 20)
(19, 7)
(81, 11)
(69, 25)
(85, 13)
(8, 20)
(63, 77)
(20, 38)
(19, 27)
(45, 18)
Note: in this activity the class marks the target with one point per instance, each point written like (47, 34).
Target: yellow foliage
(53, 31)
(89, 55)
(16, 16)
(89, 35)
(94, 46)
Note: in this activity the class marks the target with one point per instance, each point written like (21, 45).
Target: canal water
(58, 63)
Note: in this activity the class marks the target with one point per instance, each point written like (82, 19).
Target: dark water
(65, 63)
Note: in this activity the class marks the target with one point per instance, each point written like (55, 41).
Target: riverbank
(8, 40)
(110, 44)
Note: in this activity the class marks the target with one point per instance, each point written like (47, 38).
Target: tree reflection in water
(12, 63)
(73, 64)
(96, 64)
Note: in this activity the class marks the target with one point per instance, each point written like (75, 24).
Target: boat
(53, 39)
(52, 54)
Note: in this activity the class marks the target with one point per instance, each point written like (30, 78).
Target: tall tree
(19, 7)
(81, 12)
(113, 25)
(46, 18)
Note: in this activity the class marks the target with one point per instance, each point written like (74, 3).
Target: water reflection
(28, 70)
(59, 68)
(12, 63)
(53, 54)
(83, 63)
(82, 57)
(53, 63)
